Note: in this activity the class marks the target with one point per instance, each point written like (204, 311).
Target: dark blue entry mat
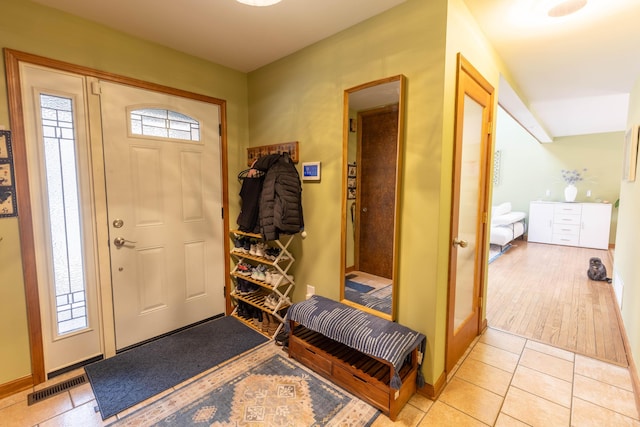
(142, 372)
(359, 287)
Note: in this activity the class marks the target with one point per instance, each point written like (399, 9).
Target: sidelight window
(64, 212)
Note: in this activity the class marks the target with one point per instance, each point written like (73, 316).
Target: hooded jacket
(281, 197)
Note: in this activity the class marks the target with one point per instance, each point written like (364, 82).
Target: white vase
(570, 193)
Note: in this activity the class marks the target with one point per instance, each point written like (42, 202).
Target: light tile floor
(503, 380)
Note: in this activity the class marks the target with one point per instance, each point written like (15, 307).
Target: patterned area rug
(261, 388)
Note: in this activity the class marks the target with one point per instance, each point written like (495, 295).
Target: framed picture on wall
(6, 174)
(5, 145)
(351, 170)
(630, 153)
(8, 205)
(351, 182)
(7, 202)
(351, 193)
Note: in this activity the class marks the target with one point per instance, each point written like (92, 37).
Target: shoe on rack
(252, 288)
(276, 277)
(272, 300)
(259, 273)
(273, 324)
(271, 276)
(272, 253)
(260, 249)
(246, 247)
(242, 310)
(282, 338)
(257, 318)
(240, 286)
(244, 269)
(238, 244)
(267, 301)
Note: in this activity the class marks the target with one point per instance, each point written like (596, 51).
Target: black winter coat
(281, 197)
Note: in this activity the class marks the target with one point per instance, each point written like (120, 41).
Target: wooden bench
(366, 376)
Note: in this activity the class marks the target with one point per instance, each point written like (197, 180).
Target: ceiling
(575, 73)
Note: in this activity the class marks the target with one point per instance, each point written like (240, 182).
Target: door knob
(121, 241)
(461, 243)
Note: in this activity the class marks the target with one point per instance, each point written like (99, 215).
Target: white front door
(164, 196)
(61, 201)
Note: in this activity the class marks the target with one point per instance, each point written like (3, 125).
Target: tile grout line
(513, 374)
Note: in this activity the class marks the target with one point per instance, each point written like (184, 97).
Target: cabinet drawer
(566, 219)
(567, 208)
(307, 356)
(566, 229)
(565, 239)
(361, 387)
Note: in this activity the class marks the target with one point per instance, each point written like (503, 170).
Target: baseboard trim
(633, 369)
(432, 391)
(15, 386)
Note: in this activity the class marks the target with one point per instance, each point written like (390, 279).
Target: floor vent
(48, 392)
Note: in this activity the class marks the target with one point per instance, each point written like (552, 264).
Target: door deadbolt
(118, 223)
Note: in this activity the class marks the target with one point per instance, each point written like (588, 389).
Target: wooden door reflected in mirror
(373, 128)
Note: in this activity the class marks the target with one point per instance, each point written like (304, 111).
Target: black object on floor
(139, 373)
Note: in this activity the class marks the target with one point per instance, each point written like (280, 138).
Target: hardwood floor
(542, 292)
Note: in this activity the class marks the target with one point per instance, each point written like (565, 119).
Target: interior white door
(164, 192)
(58, 156)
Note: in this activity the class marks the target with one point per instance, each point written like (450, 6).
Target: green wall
(31, 28)
(15, 359)
(626, 271)
(300, 98)
(528, 168)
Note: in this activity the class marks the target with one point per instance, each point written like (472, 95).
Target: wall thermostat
(311, 171)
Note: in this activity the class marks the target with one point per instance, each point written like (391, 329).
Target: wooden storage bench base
(362, 375)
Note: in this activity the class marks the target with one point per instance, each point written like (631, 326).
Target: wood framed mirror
(371, 177)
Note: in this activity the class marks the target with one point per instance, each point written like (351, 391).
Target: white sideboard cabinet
(572, 224)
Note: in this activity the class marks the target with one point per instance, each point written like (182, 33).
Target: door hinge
(96, 89)
(222, 212)
(485, 217)
(220, 129)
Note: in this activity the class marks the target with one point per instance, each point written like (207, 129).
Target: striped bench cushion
(362, 331)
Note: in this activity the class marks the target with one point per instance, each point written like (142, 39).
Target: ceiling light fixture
(565, 7)
(259, 2)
